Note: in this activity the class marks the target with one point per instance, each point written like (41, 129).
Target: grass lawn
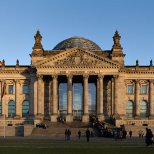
(95, 146)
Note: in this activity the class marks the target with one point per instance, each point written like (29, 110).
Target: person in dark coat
(66, 134)
(130, 133)
(149, 137)
(87, 135)
(79, 134)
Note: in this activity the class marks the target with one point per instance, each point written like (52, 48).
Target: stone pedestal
(54, 118)
(137, 117)
(101, 117)
(39, 117)
(69, 118)
(85, 118)
(151, 117)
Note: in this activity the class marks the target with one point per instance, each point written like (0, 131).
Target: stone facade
(123, 93)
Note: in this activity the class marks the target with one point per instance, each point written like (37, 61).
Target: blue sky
(57, 20)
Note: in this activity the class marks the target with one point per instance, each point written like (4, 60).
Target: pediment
(77, 58)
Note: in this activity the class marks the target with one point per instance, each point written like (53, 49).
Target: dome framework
(77, 42)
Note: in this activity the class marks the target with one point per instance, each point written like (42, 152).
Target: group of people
(121, 134)
(68, 134)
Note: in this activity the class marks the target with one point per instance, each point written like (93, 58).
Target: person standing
(87, 134)
(79, 134)
(66, 134)
(130, 133)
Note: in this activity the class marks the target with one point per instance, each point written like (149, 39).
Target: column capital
(17, 81)
(3, 81)
(55, 76)
(85, 76)
(100, 76)
(137, 81)
(69, 76)
(115, 76)
(151, 81)
(39, 76)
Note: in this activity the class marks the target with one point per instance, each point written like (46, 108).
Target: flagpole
(4, 119)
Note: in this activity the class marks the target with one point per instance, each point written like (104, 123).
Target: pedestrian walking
(87, 134)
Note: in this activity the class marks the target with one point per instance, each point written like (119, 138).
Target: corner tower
(117, 50)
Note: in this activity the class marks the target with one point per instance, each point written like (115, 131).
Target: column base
(116, 116)
(39, 117)
(100, 117)
(137, 117)
(53, 118)
(69, 118)
(85, 118)
(151, 117)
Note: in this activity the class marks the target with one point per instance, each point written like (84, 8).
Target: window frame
(130, 109)
(10, 93)
(128, 89)
(11, 115)
(142, 90)
(143, 104)
(25, 114)
(24, 92)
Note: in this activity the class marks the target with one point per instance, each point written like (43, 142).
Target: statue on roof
(38, 39)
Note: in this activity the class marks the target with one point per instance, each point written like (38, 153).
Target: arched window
(143, 109)
(0, 108)
(11, 108)
(129, 109)
(25, 108)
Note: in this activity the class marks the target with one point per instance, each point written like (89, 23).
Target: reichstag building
(74, 80)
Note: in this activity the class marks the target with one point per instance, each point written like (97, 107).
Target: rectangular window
(143, 89)
(10, 89)
(129, 89)
(24, 89)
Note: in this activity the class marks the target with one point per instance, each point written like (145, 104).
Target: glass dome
(76, 42)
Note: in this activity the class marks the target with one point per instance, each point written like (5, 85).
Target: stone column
(40, 100)
(115, 111)
(69, 117)
(17, 99)
(85, 117)
(31, 93)
(137, 103)
(97, 107)
(100, 106)
(112, 98)
(55, 99)
(151, 104)
(4, 100)
(51, 97)
(35, 98)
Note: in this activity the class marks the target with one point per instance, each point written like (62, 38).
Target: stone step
(57, 131)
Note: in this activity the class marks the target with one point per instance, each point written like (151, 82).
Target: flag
(1, 63)
(3, 90)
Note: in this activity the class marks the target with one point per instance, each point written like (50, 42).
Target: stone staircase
(58, 129)
(136, 129)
